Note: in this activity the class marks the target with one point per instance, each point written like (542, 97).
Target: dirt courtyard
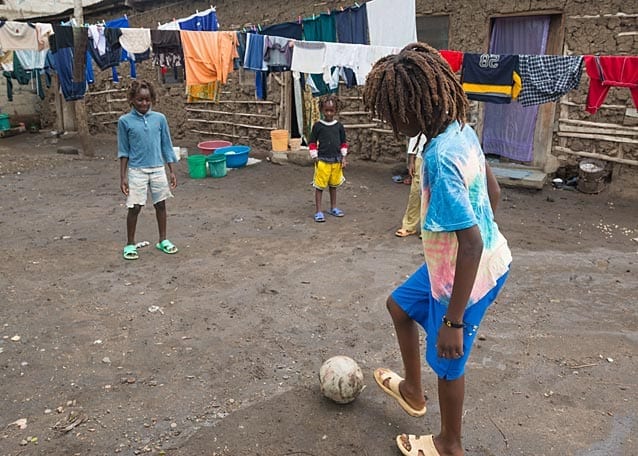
(216, 350)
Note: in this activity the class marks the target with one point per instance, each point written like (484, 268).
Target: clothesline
(526, 75)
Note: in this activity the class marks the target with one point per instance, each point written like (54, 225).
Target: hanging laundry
(241, 50)
(106, 50)
(320, 28)
(205, 21)
(208, 56)
(23, 76)
(6, 60)
(491, 77)
(121, 23)
(18, 36)
(135, 41)
(352, 25)
(610, 71)
(546, 78)
(80, 46)
(32, 60)
(172, 25)
(392, 22)
(308, 57)
(204, 92)
(167, 48)
(277, 53)
(454, 58)
(62, 46)
(292, 30)
(43, 31)
(255, 50)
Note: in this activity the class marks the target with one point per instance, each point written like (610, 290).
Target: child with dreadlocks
(328, 148)
(466, 257)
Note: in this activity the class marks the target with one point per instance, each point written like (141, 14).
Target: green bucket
(4, 122)
(216, 165)
(197, 166)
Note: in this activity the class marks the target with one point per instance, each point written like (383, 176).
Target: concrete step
(514, 175)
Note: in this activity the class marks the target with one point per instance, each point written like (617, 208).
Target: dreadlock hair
(330, 99)
(136, 86)
(419, 81)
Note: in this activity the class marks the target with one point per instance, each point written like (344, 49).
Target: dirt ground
(216, 350)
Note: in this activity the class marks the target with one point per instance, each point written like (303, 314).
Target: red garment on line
(607, 71)
(454, 58)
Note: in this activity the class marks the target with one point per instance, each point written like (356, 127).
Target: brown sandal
(402, 232)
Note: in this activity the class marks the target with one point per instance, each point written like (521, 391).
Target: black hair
(419, 81)
(136, 86)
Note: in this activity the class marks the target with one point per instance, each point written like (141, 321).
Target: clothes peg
(342, 8)
(299, 19)
(196, 11)
(259, 27)
(356, 4)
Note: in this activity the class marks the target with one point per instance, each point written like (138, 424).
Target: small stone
(173, 425)
(23, 442)
(15, 338)
(60, 409)
(131, 380)
(106, 360)
(47, 411)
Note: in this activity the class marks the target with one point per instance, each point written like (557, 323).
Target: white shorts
(140, 180)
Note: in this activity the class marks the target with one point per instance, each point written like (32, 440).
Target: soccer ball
(341, 379)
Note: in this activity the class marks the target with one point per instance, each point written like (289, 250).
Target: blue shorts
(414, 296)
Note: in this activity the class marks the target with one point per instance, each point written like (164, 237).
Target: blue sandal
(319, 217)
(336, 212)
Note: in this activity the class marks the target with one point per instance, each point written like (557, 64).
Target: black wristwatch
(451, 324)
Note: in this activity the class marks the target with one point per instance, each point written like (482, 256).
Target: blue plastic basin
(236, 156)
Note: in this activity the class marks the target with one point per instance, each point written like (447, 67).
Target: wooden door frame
(542, 157)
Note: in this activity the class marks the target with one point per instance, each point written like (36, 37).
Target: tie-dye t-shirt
(455, 198)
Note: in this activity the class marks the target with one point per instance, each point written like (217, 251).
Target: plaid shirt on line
(546, 78)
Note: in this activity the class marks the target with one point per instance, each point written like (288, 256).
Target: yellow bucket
(279, 140)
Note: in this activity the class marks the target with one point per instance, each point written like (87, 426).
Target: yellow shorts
(327, 174)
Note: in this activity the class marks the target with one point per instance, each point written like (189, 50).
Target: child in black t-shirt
(328, 147)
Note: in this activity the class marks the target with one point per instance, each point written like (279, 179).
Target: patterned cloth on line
(546, 78)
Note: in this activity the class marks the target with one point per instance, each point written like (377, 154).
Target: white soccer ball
(341, 379)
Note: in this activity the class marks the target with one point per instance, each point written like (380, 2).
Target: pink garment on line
(607, 71)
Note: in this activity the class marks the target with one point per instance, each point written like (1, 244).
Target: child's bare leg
(451, 396)
(333, 197)
(131, 223)
(408, 338)
(160, 214)
(318, 195)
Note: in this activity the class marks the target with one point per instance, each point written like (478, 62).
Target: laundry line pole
(81, 119)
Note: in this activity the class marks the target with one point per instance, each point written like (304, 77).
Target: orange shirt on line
(208, 56)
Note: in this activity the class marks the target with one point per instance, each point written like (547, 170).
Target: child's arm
(343, 148)
(168, 153)
(493, 189)
(124, 175)
(450, 341)
(123, 151)
(312, 142)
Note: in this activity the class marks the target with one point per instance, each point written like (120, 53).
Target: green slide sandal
(166, 246)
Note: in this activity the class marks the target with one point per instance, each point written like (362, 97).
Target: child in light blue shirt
(144, 146)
